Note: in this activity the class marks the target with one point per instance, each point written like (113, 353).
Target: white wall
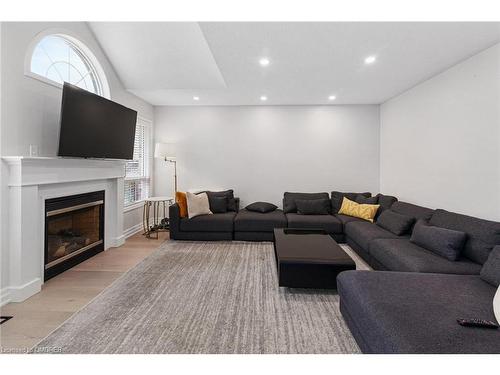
(30, 108)
(440, 141)
(261, 152)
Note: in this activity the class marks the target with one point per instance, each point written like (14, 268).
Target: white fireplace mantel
(31, 181)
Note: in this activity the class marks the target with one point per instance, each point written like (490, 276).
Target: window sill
(134, 206)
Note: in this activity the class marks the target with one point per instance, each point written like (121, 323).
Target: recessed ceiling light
(332, 97)
(263, 98)
(196, 98)
(264, 61)
(370, 59)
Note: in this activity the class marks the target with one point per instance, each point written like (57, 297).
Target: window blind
(137, 176)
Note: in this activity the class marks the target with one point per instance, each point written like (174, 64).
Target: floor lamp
(166, 151)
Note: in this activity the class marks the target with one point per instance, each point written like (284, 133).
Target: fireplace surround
(31, 183)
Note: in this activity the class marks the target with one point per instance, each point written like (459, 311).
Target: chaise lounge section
(416, 313)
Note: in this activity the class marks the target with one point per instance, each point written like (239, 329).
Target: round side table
(159, 221)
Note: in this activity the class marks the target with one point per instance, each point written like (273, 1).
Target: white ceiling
(169, 63)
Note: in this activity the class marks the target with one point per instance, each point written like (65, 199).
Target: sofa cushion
(396, 312)
(444, 242)
(482, 235)
(491, 268)
(218, 205)
(403, 255)
(313, 206)
(289, 205)
(361, 199)
(385, 201)
(337, 197)
(261, 207)
(250, 221)
(228, 194)
(395, 223)
(363, 232)
(347, 219)
(328, 223)
(412, 210)
(208, 223)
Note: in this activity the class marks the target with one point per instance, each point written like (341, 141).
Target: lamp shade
(165, 150)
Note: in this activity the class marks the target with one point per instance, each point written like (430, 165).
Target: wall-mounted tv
(95, 127)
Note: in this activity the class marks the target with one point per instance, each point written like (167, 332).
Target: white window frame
(149, 166)
(76, 41)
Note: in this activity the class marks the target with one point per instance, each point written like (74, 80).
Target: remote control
(477, 323)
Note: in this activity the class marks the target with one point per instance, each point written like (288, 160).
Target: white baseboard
(132, 230)
(4, 296)
(20, 293)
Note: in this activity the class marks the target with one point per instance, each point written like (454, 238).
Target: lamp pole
(175, 172)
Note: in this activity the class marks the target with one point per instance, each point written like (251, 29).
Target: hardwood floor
(68, 292)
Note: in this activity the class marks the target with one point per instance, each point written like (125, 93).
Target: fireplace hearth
(74, 230)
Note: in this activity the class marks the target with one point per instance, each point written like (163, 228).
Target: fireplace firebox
(74, 230)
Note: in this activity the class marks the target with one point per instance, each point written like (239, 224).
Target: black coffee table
(309, 259)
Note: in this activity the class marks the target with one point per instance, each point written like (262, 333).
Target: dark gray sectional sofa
(411, 304)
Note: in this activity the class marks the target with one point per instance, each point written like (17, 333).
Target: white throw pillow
(197, 204)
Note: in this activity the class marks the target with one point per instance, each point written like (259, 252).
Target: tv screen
(95, 127)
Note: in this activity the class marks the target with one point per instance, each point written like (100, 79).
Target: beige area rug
(206, 297)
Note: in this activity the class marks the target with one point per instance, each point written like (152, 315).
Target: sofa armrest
(174, 219)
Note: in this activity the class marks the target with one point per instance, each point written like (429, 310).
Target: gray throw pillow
(313, 206)
(228, 194)
(385, 201)
(491, 269)
(218, 205)
(398, 224)
(441, 241)
(289, 205)
(262, 207)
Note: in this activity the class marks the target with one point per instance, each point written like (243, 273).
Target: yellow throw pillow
(363, 211)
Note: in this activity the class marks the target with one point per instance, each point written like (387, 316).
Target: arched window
(59, 58)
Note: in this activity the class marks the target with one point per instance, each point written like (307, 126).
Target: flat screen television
(95, 127)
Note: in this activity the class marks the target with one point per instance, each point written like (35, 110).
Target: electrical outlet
(33, 150)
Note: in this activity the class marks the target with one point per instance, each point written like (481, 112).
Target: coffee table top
(311, 248)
